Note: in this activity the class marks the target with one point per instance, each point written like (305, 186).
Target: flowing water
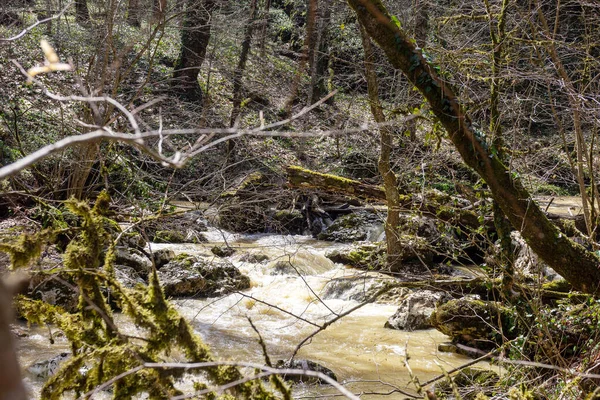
(362, 353)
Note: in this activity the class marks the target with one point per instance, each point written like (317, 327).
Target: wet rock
(254, 258)
(162, 257)
(133, 258)
(355, 288)
(285, 268)
(369, 256)
(304, 365)
(416, 309)
(353, 227)
(372, 256)
(47, 368)
(128, 276)
(288, 222)
(198, 277)
(476, 322)
(222, 251)
(132, 239)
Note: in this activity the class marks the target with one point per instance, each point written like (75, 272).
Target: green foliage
(97, 344)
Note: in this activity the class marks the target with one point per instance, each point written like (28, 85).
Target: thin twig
(29, 28)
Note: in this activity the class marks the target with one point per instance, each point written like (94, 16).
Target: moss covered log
(301, 177)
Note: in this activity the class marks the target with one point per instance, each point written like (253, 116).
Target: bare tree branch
(30, 27)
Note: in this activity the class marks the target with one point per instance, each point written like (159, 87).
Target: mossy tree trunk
(503, 226)
(390, 182)
(577, 265)
(195, 36)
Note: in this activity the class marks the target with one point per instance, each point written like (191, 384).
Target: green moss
(559, 285)
(95, 338)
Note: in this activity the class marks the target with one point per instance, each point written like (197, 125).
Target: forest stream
(356, 348)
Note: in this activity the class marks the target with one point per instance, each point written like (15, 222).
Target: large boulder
(133, 258)
(191, 276)
(480, 323)
(415, 310)
(354, 227)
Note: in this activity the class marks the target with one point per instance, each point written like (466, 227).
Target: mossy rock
(254, 258)
(372, 256)
(201, 279)
(366, 256)
(178, 237)
(290, 222)
(474, 321)
(222, 251)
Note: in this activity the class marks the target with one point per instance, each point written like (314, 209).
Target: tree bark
(82, 14)
(239, 74)
(159, 8)
(577, 265)
(195, 36)
(390, 182)
(133, 13)
(11, 385)
(319, 54)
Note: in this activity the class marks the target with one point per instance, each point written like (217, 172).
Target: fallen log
(433, 203)
(304, 178)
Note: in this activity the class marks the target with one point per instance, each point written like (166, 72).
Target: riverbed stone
(222, 251)
(352, 227)
(133, 258)
(128, 276)
(476, 322)
(372, 256)
(254, 258)
(162, 257)
(304, 365)
(415, 310)
(201, 278)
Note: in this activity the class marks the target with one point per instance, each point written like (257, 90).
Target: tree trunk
(159, 8)
(306, 55)
(390, 182)
(133, 13)
(11, 385)
(195, 36)
(82, 14)
(320, 55)
(239, 74)
(577, 265)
